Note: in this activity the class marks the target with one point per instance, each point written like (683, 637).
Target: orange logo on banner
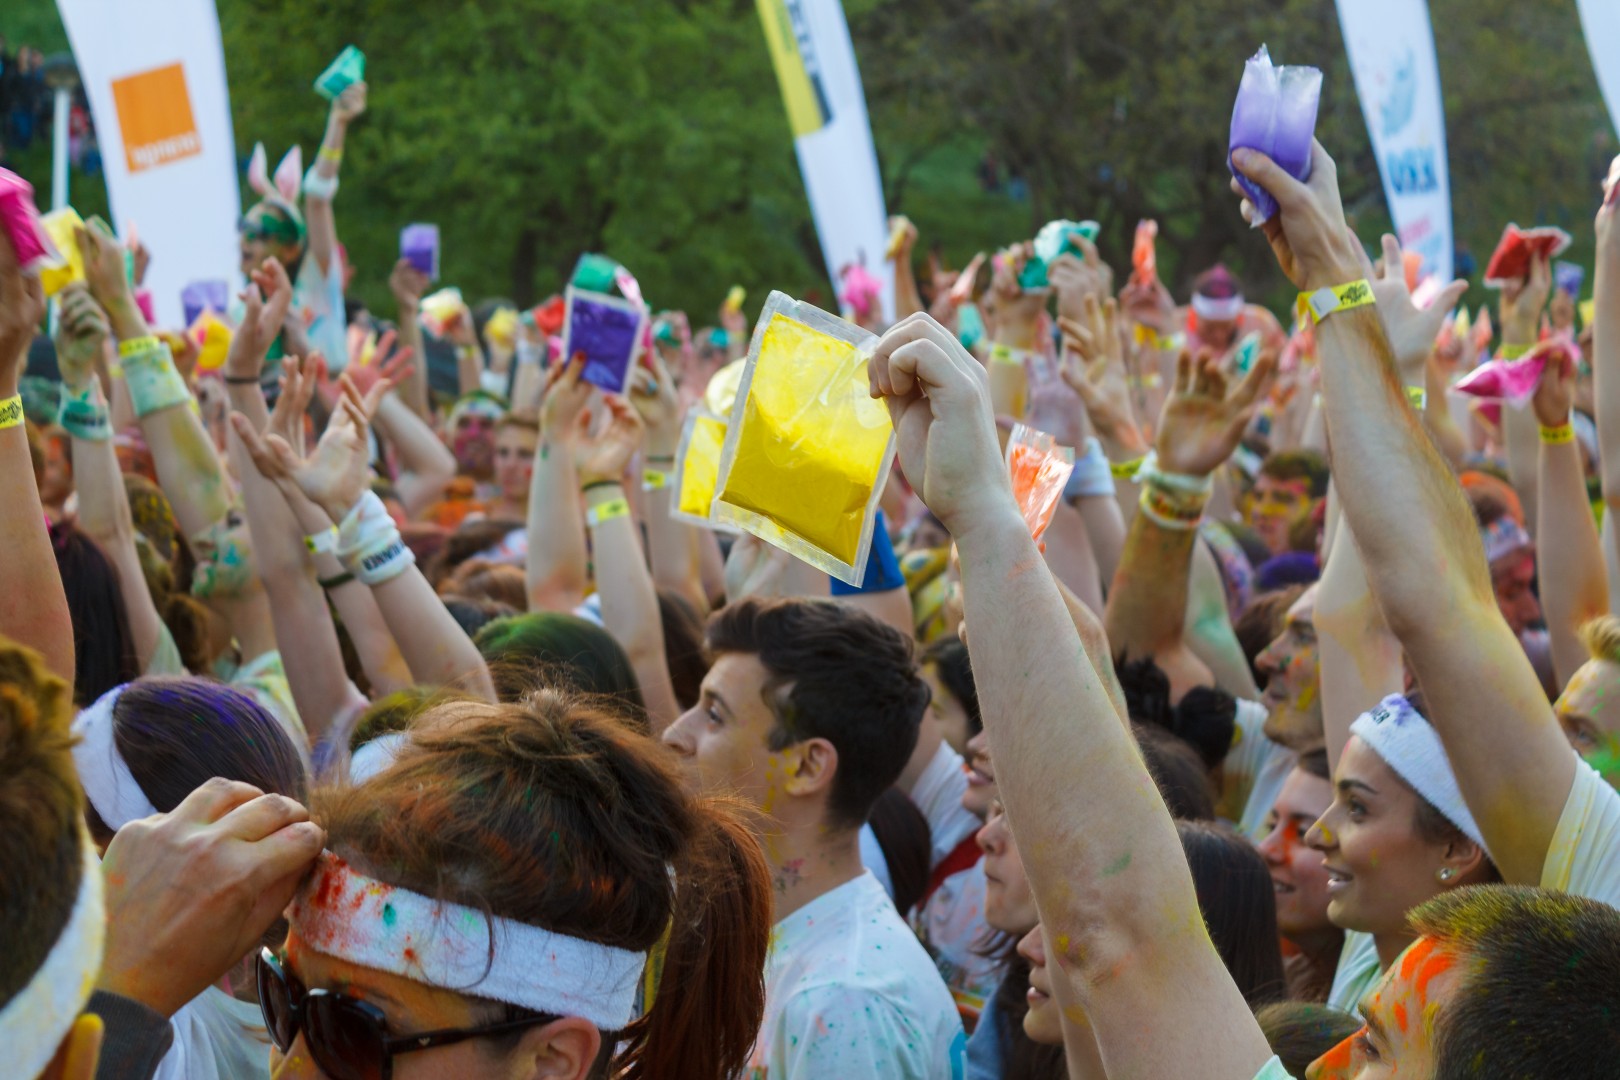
(154, 114)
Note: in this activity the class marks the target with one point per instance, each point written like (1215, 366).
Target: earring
(1446, 873)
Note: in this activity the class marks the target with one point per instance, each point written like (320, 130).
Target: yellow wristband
(115, 370)
(1512, 352)
(138, 344)
(607, 511)
(1417, 397)
(1006, 354)
(1557, 436)
(1325, 302)
(1125, 470)
(11, 412)
(654, 480)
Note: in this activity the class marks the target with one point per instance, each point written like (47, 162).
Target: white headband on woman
(34, 1022)
(341, 913)
(1398, 733)
(108, 783)
(1225, 309)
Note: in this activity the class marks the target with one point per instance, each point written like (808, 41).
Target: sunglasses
(347, 1037)
(268, 227)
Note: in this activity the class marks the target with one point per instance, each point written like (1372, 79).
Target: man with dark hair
(810, 712)
(1285, 493)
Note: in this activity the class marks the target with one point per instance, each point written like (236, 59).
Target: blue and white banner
(1391, 49)
(1601, 20)
(155, 78)
(821, 87)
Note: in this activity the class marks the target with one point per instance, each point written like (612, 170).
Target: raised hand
(407, 283)
(103, 266)
(389, 363)
(22, 306)
(1094, 366)
(335, 475)
(606, 455)
(1202, 423)
(350, 104)
(1308, 234)
(653, 395)
(266, 300)
(80, 335)
(1523, 301)
(1555, 393)
(1076, 277)
(938, 398)
(564, 400)
(1148, 305)
(1412, 330)
(298, 381)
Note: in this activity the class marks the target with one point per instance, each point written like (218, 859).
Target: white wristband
(324, 541)
(369, 544)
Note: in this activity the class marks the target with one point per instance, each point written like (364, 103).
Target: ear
(258, 172)
(1467, 861)
(564, 1049)
(79, 1052)
(290, 175)
(810, 767)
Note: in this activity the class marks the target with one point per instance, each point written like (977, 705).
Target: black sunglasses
(349, 1038)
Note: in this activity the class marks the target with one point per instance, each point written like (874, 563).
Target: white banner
(1391, 48)
(1601, 20)
(154, 74)
(821, 87)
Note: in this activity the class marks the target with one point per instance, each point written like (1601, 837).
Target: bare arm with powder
(1421, 547)
(1102, 855)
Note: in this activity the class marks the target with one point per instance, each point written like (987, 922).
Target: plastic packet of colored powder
(440, 310)
(1275, 113)
(608, 331)
(342, 73)
(697, 468)
(1039, 469)
(807, 449)
(1144, 256)
(59, 225)
(19, 218)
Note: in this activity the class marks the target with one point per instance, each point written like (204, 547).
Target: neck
(809, 863)
(1391, 945)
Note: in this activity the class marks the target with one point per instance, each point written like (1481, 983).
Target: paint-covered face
(981, 777)
(56, 484)
(1043, 1023)
(409, 1006)
(1218, 334)
(1589, 713)
(722, 741)
(1276, 507)
(1402, 1014)
(950, 714)
(264, 232)
(1377, 865)
(1562, 310)
(1009, 905)
(1297, 875)
(1293, 678)
(1513, 579)
(473, 443)
(514, 461)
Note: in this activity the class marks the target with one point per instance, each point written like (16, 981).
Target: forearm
(1519, 432)
(33, 607)
(557, 556)
(1209, 628)
(1569, 556)
(318, 216)
(435, 648)
(907, 300)
(672, 548)
(1606, 369)
(1069, 553)
(1358, 658)
(1147, 601)
(104, 516)
(426, 465)
(1105, 527)
(630, 603)
(413, 389)
(469, 369)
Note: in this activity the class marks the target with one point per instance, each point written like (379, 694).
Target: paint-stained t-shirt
(1255, 769)
(1358, 972)
(1584, 856)
(1272, 1070)
(850, 993)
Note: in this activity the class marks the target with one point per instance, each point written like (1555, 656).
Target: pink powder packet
(20, 220)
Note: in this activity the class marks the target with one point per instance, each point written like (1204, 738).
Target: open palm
(1202, 422)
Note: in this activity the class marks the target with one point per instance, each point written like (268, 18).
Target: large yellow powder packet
(59, 225)
(697, 468)
(808, 449)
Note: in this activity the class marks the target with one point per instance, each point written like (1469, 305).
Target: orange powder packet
(807, 449)
(1040, 470)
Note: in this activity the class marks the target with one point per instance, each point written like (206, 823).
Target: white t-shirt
(1273, 1070)
(850, 994)
(217, 1037)
(1358, 972)
(1584, 856)
(1255, 770)
(318, 300)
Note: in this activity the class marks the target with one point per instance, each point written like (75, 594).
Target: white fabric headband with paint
(1503, 537)
(1399, 735)
(108, 783)
(342, 913)
(33, 1023)
(1228, 310)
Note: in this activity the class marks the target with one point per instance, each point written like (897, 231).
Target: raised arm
(907, 300)
(1101, 853)
(1569, 555)
(1420, 545)
(1522, 304)
(1606, 361)
(556, 569)
(672, 545)
(1198, 430)
(33, 607)
(104, 513)
(407, 283)
(318, 196)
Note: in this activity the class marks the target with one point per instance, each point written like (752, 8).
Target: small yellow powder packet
(807, 449)
(697, 468)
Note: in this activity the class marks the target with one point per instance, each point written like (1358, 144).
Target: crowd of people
(360, 720)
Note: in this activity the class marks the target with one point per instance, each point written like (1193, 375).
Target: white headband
(1398, 733)
(1229, 309)
(1503, 537)
(108, 783)
(34, 1022)
(375, 756)
(342, 913)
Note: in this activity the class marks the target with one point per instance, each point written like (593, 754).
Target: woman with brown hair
(525, 891)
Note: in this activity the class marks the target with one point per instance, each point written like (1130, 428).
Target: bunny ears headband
(288, 182)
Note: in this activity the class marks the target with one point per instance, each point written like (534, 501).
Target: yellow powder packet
(807, 449)
(697, 468)
(59, 225)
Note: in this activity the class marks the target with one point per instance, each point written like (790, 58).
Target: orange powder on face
(1435, 965)
(1336, 1063)
(1400, 1014)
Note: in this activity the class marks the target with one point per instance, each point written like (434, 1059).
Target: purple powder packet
(1275, 113)
(200, 296)
(419, 245)
(608, 331)
(1568, 277)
